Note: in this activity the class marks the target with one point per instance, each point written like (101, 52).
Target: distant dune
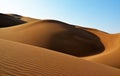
(31, 46)
(26, 19)
(6, 20)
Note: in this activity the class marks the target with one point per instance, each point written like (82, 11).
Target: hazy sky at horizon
(100, 14)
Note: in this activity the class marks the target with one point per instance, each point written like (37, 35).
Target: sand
(6, 20)
(111, 54)
(21, 59)
(38, 47)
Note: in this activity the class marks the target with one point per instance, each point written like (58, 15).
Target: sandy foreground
(33, 47)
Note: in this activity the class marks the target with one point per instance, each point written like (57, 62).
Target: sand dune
(111, 54)
(6, 20)
(31, 46)
(55, 35)
(26, 60)
(23, 18)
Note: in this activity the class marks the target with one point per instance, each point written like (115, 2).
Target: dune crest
(23, 18)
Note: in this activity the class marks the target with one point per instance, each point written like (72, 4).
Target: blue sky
(100, 14)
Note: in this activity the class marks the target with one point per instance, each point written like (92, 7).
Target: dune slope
(17, 59)
(111, 54)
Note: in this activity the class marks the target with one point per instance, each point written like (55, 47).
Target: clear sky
(100, 14)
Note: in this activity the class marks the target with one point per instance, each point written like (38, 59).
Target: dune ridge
(23, 18)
